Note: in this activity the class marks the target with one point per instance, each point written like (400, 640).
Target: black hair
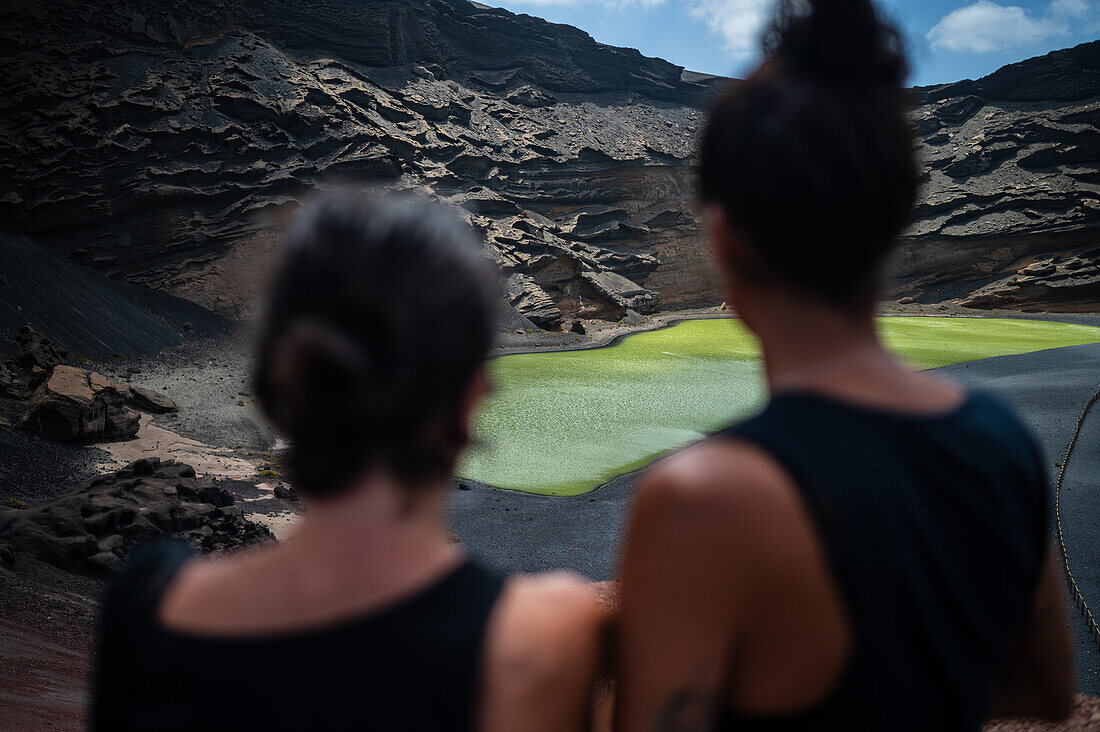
(381, 313)
(812, 156)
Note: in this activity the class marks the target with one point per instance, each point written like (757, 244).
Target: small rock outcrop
(531, 300)
(621, 291)
(79, 405)
(41, 394)
(94, 527)
(1051, 283)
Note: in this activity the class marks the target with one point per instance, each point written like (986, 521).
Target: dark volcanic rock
(151, 401)
(100, 522)
(34, 358)
(154, 141)
(286, 492)
(531, 300)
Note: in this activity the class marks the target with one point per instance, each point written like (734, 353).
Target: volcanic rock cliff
(158, 142)
(1009, 214)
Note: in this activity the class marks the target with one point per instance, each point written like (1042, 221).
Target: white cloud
(985, 26)
(1070, 9)
(740, 23)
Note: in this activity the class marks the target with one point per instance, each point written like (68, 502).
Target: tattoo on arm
(691, 710)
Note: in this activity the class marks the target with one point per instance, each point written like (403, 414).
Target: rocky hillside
(161, 141)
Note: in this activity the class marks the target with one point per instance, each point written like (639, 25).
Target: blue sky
(948, 40)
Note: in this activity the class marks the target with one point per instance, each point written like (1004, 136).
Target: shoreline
(612, 333)
(219, 426)
(221, 433)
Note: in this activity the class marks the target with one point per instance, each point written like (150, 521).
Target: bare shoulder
(723, 483)
(212, 593)
(543, 620)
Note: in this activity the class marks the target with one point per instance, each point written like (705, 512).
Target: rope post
(1075, 592)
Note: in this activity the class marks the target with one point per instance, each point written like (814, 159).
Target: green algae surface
(564, 423)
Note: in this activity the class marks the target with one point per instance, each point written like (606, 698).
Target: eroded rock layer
(1011, 187)
(159, 142)
(148, 144)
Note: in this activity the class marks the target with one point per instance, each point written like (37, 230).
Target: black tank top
(412, 666)
(934, 529)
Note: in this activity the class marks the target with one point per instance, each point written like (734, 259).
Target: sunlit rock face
(162, 142)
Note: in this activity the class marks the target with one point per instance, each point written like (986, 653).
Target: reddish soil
(47, 621)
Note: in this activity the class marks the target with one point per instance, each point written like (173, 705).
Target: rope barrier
(1075, 591)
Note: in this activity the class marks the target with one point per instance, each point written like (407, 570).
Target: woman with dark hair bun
(371, 363)
(872, 550)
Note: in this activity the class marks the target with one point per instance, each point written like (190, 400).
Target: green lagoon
(564, 423)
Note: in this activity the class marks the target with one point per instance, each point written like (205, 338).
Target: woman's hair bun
(312, 362)
(836, 41)
(811, 156)
(379, 316)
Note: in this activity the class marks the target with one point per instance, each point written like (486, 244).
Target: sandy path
(154, 441)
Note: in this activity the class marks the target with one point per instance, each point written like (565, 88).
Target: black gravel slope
(33, 469)
(86, 312)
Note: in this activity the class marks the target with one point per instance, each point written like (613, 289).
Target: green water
(564, 423)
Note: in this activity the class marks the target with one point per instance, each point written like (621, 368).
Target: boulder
(96, 525)
(577, 327)
(286, 492)
(529, 96)
(151, 401)
(76, 404)
(624, 293)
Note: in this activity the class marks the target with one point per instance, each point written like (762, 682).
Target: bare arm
(1038, 677)
(676, 617)
(726, 598)
(542, 655)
